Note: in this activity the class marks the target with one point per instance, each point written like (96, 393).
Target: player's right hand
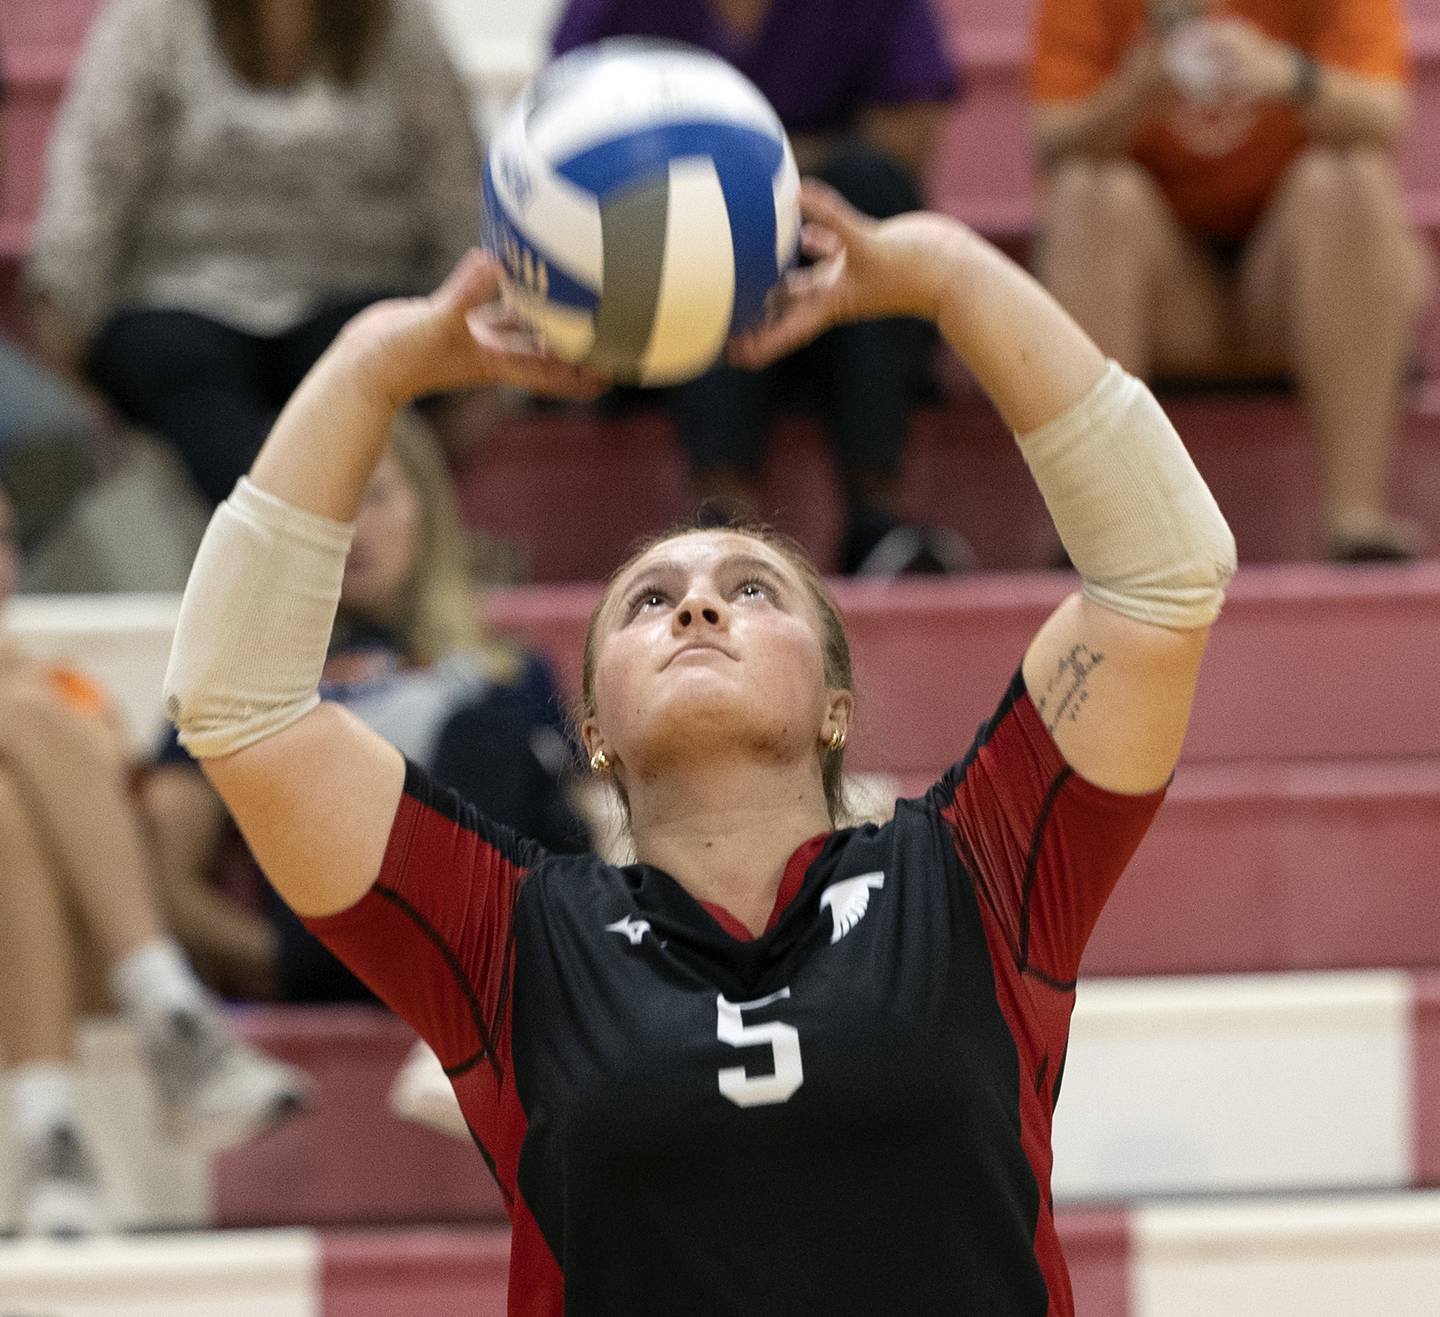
(460, 337)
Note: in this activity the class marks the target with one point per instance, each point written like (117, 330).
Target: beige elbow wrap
(255, 622)
(1135, 516)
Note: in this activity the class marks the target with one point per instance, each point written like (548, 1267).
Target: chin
(701, 719)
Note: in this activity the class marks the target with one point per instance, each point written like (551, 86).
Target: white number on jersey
(759, 1090)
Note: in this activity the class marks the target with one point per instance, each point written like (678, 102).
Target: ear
(590, 737)
(839, 707)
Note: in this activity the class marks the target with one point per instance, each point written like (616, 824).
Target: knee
(1315, 189)
(1107, 199)
(1353, 195)
(36, 724)
(871, 180)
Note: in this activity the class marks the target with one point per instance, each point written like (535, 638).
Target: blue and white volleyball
(643, 199)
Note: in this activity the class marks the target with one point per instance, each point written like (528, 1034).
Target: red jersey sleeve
(432, 937)
(1044, 846)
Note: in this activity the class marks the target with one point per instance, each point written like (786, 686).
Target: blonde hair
(438, 613)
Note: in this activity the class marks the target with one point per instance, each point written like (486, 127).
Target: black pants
(863, 377)
(209, 390)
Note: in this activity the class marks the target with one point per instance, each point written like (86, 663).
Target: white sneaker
(60, 1192)
(216, 1091)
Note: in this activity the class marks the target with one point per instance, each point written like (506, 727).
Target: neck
(287, 36)
(725, 831)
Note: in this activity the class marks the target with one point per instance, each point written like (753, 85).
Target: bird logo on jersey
(848, 901)
(634, 929)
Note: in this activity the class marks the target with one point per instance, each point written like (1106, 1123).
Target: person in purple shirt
(861, 86)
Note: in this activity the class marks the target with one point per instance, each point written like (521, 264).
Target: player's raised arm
(313, 790)
(1113, 670)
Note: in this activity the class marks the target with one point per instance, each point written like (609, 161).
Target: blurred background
(198, 193)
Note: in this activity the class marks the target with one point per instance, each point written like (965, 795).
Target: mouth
(700, 647)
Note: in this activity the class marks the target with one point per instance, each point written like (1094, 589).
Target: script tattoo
(1067, 691)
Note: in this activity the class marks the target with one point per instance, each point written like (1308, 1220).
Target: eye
(648, 596)
(756, 587)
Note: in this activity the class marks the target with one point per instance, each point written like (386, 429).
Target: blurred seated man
(1221, 200)
(861, 86)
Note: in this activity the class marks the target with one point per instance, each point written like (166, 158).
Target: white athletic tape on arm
(1135, 516)
(255, 622)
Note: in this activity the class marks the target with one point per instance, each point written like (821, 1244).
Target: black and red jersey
(847, 1115)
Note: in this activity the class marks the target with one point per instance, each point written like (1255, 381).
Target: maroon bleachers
(573, 492)
(348, 1160)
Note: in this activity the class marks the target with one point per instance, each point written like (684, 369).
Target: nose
(698, 608)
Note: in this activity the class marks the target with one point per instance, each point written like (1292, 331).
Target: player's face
(386, 544)
(708, 644)
(9, 551)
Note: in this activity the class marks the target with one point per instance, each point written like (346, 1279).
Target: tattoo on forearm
(1068, 689)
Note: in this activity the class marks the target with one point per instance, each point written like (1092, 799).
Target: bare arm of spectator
(187, 821)
(105, 151)
(1106, 121)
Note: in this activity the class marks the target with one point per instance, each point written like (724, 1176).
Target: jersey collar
(791, 880)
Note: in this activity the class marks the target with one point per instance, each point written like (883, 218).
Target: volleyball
(643, 201)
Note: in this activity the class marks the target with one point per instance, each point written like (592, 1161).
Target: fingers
(820, 243)
(474, 281)
(821, 204)
(797, 325)
(513, 356)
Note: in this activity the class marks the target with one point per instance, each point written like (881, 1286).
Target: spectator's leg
(722, 418)
(1119, 262)
(198, 384)
(71, 770)
(58, 1187)
(871, 373)
(1336, 274)
(37, 974)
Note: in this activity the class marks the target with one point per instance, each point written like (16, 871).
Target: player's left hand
(864, 269)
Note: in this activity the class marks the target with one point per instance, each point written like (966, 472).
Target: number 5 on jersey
(784, 1040)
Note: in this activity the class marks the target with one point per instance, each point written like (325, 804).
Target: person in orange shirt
(76, 891)
(1221, 200)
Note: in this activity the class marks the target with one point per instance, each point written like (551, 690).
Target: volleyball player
(775, 1066)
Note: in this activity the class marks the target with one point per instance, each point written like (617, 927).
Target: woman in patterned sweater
(230, 181)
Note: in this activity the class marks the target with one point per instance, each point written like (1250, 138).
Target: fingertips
(818, 242)
(474, 280)
(821, 202)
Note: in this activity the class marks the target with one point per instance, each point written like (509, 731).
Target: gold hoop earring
(598, 762)
(837, 741)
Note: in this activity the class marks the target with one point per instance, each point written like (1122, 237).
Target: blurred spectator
(229, 182)
(1222, 200)
(411, 657)
(75, 885)
(861, 86)
(47, 430)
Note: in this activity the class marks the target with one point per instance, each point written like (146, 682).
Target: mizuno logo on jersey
(848, 900)
(634, 929)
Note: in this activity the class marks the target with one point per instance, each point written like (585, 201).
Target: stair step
(1350, 1256)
